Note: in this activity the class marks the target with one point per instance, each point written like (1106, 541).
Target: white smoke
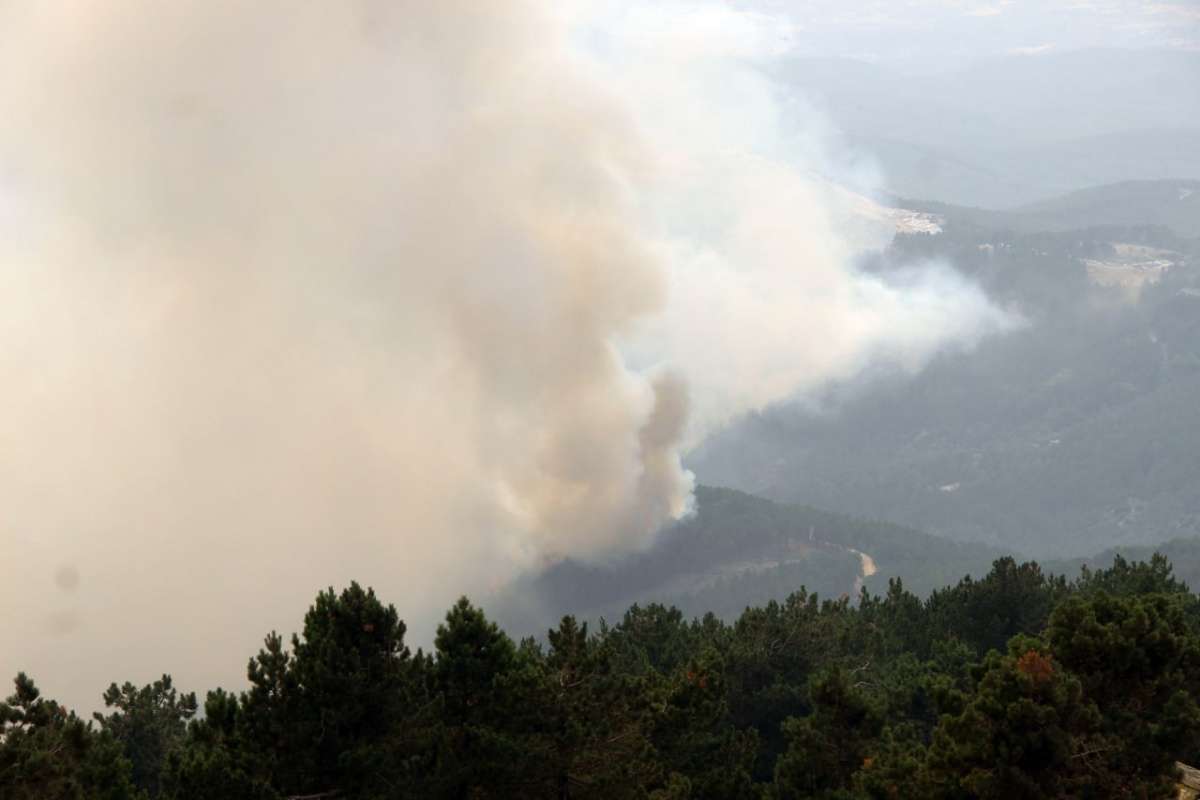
(757, 242)
(410, 293)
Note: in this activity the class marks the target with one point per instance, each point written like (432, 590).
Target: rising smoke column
(412, 293)
(753, 228)
(296, 294)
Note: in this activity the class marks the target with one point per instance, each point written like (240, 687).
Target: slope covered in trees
(1075, 432)
(1015, 685)
(738, 550)
(1173, 205)
(1184, 555)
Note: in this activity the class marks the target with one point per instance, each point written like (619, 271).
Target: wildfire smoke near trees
(674, 398)
(1015, 685)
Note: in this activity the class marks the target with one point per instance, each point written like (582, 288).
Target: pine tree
(48, 753)
(826, 748)
(486, 688)
(150, 724)
(1139, 662)
(1017, 734)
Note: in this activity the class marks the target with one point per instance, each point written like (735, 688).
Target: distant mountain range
(738, 550)
(1076, 435)
(1171, 204)
(1079, 432)
(1014, 130)
(1014, 176)
(1072, 440)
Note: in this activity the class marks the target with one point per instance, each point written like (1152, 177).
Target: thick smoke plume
(412, 293)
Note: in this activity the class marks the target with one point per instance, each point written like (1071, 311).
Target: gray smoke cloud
(753, 226)
(418, 294)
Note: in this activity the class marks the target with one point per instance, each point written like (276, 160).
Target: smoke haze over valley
(465, 297)
(422, 295)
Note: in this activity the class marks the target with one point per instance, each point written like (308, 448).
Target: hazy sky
(933, 34)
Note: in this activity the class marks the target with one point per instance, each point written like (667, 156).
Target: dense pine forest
(1018, 684)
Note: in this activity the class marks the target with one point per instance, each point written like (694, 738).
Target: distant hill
(1079, 432)
(1184, 555)
(1173, 204)
(1170, 204)
(1008, 176)
(916, 169)
(738, 550)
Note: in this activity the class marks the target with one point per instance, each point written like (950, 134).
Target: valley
(1076, 432)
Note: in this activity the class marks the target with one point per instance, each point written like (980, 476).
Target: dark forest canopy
(1018, 684)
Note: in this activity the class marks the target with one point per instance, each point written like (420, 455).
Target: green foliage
(826, 748)
(351, 672)
(1014, 738)
(150, 724)
(741, 551)
(693, 734)
(219, 759)
(484, 684)
(1139, 663)
(1150, 570)
(318, 718)
(597, 739)
(650, 638)
(1011, 599)
(48, 753)
(1013, 685)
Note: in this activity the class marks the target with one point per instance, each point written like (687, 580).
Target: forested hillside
(739, 550)
(1184, 555)
(1076, 432)
(1170, 204)
(1015, 685)
(1173, 205)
